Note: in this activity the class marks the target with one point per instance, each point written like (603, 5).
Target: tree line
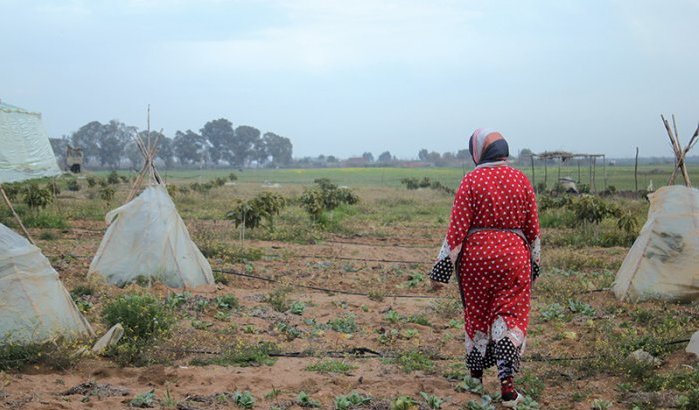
(217, 142)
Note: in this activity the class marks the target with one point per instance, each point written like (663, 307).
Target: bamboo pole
(604, 166)
(534, 175)
(635, 170)
(19, 220)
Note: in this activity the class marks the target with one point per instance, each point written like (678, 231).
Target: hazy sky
(346, 76)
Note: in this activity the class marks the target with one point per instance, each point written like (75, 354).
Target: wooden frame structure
(565, 157)
(680, 153)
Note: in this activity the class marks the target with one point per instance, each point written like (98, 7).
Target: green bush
(36, 197)
(324, 197)
(113, 178)
(265, 206)
(107, 193)
(145, 320)
(73, 185)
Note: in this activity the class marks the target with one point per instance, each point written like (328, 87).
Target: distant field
(621, 177)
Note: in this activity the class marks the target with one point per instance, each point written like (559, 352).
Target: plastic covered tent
(147, 238)
(25, 150)
(34, 305)
(663, 262)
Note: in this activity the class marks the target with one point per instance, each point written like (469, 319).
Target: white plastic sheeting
(663, 262)
(147, 238)
(693, 346)
(34, 305)
(25, 150)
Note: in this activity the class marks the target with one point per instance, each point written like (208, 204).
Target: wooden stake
(635, 170)
(19, 221)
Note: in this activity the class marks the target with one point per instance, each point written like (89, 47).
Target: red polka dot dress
(494, 235)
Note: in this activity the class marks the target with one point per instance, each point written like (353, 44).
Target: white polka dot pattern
(495, 268)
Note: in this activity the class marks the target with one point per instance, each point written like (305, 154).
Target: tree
(87, 137)
(385, 157)
(166, 152)
(278, 147)
(524, 155)
(434, 157)
(220, 135)
(423, 154)
(331, 159)
(133, 153)
(189, 147)
(243, 143)
(368, 156)
(463, 155)
(112, 141)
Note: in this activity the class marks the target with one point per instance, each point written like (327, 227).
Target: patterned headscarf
(487, 145)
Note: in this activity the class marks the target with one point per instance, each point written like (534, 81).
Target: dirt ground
(381, 266)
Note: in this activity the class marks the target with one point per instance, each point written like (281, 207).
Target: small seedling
(601, 404)
(297, 308)
(144, 400)
(403, 403)
(471, 385)
(432, 401)
(304, 400)
(244, 400)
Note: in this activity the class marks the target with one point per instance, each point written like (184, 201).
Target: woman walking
(493, 244)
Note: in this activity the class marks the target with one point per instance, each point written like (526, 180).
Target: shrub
(91, 181)
(113, 178)
(73, 185)
(588, 208)
(12, 190)
(36, 197)
(143, 316)
(326, 196)
(145, 320)
(250, 213)
(107, 193)
(232, 176)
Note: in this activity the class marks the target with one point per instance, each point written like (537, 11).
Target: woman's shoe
(512, 402)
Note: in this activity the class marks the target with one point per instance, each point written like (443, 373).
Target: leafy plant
(297, 307)
(403, 403)
(326, 196)
(471, 385)
(36, 197)
(432, 401)
(351, 400)
(107, 193)
(265, 206)
(344, 324)
(583, 308)
(144, 400)
(227, 302)
(601, 404)
(553, 311)
(244, 399)
(73, 185)
(113, 178)
(143, 317)
(304, 400)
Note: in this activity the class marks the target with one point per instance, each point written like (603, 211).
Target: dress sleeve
(531, 227)
(459, 224)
